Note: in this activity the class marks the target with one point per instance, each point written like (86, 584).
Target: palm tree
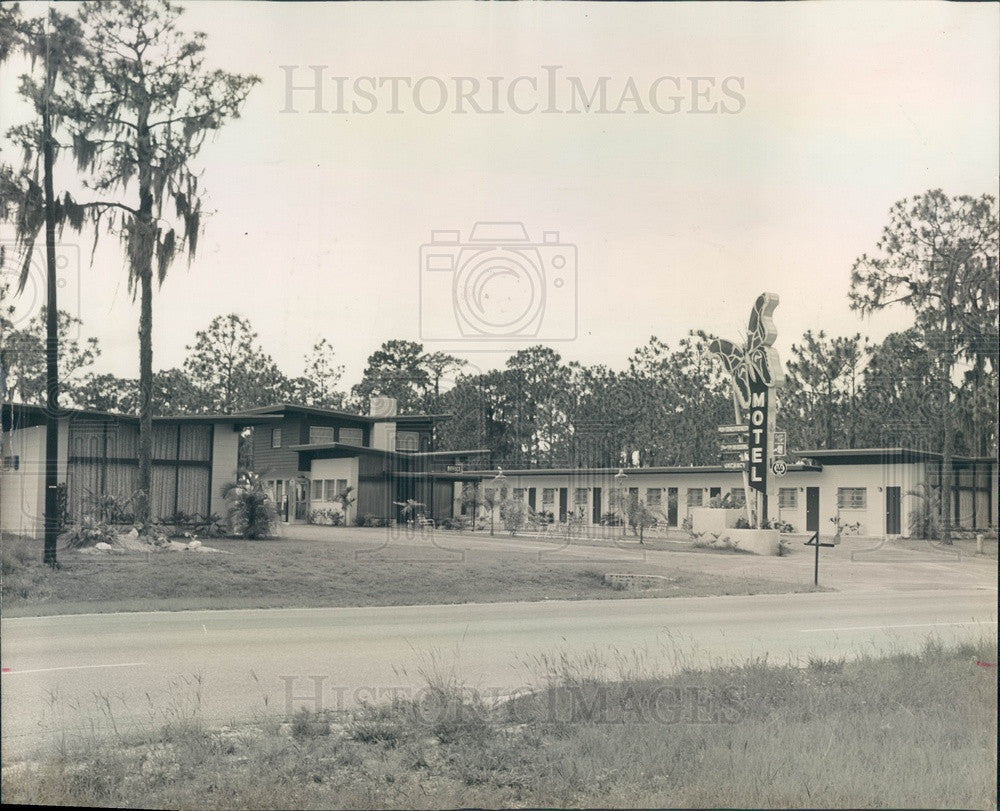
(345, 500)
(408, 509)
(491, 500)
(472, 496)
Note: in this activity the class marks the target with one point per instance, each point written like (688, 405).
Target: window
(275, 437)
(580, 496)
(788, 498)
(738, 496)
(317, 490)
(519, 493)
(548, 495)
(695, 496)
(341, 486)
(654, 496)
(852, 498)
(320, 433)
(351, 436)
(407, 441)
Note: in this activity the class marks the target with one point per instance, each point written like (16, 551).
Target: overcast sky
(825, 114)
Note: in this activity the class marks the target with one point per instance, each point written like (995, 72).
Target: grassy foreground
(910, 730)
(295, 574)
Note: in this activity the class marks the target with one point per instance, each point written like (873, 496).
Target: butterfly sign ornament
(755, 369)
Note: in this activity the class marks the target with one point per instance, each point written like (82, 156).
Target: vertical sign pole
(746, 480)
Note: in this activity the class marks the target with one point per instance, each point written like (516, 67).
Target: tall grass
(908, 730)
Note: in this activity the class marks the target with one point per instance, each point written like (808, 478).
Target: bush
(251, 511)
(327, 518)
(113, 508)
(88, 532)
(370, 520)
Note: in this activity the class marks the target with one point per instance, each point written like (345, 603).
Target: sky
(766, 159)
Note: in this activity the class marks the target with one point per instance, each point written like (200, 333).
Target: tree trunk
(947, 440)
(51, 349)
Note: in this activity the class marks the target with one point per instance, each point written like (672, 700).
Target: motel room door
(812, 509)
(595, 515)
(892, 511)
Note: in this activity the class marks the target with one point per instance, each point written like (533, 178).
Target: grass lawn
(311, 573)
(906, 731)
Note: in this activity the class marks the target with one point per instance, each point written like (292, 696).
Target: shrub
(251, 511)
(211, 527)
(370, 520)
(326, 518)
(88, 532)
(840, 526)
(742, 523)
(513, 514)
(113, 508)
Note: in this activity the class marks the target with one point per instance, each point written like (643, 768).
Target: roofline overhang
(842, 456)
(797, 467)
(38, 415)
(333, 412)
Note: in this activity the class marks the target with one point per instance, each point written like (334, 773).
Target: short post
(814, 541)
(816, 566)
(979, 544)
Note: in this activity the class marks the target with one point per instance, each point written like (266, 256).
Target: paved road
(68, 675)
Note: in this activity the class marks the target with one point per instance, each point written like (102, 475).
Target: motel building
(308, 456)
(194, 458)
(312, 454)
(868, 486)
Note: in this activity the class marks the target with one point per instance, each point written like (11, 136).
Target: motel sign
(754, 369)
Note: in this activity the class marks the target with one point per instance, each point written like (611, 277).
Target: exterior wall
(277, 463)
(376, 486)
(874, 478)
(336, 469)
(635, 479)
(22, 491)
(225, 464)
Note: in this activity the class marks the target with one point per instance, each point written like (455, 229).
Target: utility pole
(51, 334)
